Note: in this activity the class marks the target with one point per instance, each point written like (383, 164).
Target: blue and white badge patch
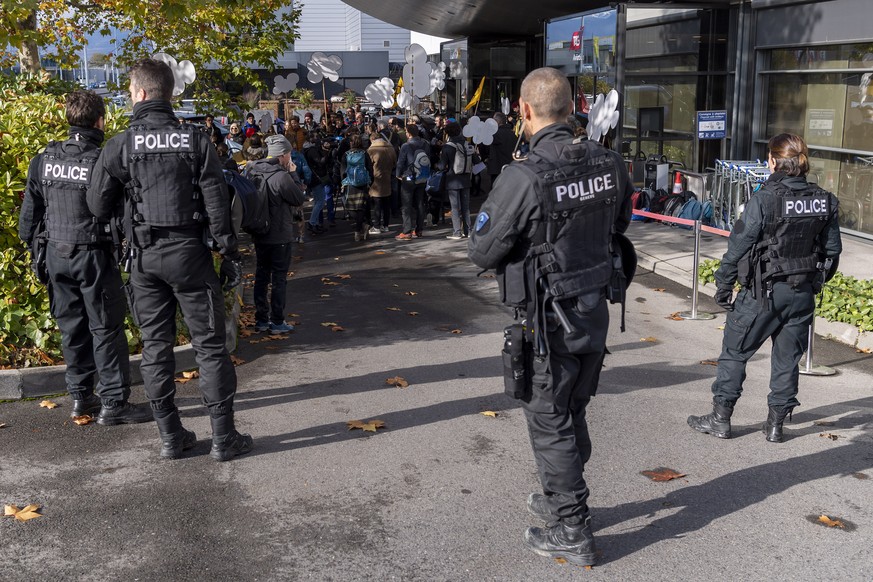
(483, 223)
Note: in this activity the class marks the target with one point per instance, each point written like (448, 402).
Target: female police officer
(782, 250)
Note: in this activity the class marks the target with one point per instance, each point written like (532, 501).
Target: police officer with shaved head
(783, 249)
(83, 279)
(170, 180)
(550, 228)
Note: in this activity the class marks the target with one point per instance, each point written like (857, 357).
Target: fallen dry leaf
(2, 425)
(379, 253)
(721, 327)
(395, 285)
(561, 560)
(648, 339)
(831, 522)
(328, 324)
(709, 362)
(331, 283)
(366, 425)
(294, 322)
(392, 308)
(658, 289)
(488, 276)
(48, 404)
(457, 331)
(411, 293)
(824, 423)
(829, 435)
(662, 474)
(237, 361)
(674, 316)
(398, 381)
(861, 476)
(25, 514)
(490, 413)
(83, 420)
(293, 315)
(344, 276)
(413, 313)
(187, 376)
(245, 333)
(324, 295)
(337, 328)
(290, 273)
(864, 351)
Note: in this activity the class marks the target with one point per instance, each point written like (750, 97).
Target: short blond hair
(547, 91)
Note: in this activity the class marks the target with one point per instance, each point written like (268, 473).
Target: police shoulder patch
(483, 222)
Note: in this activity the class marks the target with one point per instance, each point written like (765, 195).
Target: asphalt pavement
(439, 492)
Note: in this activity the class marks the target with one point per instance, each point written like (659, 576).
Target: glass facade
(825, 95)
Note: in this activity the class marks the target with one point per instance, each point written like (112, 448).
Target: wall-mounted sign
(576, 41)
(711, 124)
(820, 123)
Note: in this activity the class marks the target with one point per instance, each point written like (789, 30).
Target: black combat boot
(538, 506)
(717, 423)
(227, 442)
(115, 412)
(175, 440)
(89, 404)
(772, 428)
(570, 539)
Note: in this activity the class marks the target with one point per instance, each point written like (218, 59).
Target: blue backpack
(356, 169)
(421, 167)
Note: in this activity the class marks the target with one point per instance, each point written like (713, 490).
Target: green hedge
(844, 299)
(31, 115)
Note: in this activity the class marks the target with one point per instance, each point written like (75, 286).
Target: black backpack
(250, 202)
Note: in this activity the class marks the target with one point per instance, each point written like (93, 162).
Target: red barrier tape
(685, 221)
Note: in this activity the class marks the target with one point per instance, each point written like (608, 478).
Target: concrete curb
(837, 331)
(43, 380)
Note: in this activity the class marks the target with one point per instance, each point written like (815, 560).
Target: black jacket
(509, 219)
(500, 151)
(33, 207)
(749, 229)
(285, 192)
(111, 175)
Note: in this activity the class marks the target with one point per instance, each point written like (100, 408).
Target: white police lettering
(172, 141)
(66, 172)
(584, 189)
(806, 206)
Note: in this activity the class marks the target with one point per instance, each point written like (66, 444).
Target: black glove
(724, 296)
(230, 273)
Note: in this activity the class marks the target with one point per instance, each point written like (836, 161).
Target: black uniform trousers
(562, 386)
(179, 272)
(86, 299)
(749, 325)
(273, 261)
(412, 206)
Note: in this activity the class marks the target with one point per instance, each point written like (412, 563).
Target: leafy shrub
(31, 115)
(844, 299)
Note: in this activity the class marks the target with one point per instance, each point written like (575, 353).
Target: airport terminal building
(698, 81)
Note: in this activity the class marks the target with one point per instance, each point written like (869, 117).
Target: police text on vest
(66, 172)
(172, 141)
(585, 188)
(805, 206)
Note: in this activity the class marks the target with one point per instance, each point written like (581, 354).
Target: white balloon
(183, 72)
(285, 84)
(322, 66)
(603, 115)
(380, 92)
(480, 132)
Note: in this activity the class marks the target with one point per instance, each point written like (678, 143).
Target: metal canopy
(486, 18)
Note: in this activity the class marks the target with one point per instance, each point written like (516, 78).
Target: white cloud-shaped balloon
(479, 131)
(457, 70)
(322, 66)
(416, 71)
(504, 105)
(404, 99)
(437, 76)
(285, 84)
(380, 92)
(183, 72)
(603, 115)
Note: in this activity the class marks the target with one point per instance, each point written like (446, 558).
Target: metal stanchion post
(694, 314)
(807, 368)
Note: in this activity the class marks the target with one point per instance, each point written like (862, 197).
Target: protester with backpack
(413, 170)
(357, 171)
(457, 160)
(276, 180)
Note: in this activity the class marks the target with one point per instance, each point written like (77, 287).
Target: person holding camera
(782, 250)
(548, 228)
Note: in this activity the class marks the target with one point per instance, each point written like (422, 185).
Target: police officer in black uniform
(170, 179)
(83, 279)
(782, 250)
(547, 227)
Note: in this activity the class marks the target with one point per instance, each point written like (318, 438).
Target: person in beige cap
(277, 174)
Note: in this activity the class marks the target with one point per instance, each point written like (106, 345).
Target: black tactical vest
(64, 178)
(793, 221)
(164, 168)
(578, 189)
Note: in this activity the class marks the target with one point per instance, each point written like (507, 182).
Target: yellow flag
(476, 96)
